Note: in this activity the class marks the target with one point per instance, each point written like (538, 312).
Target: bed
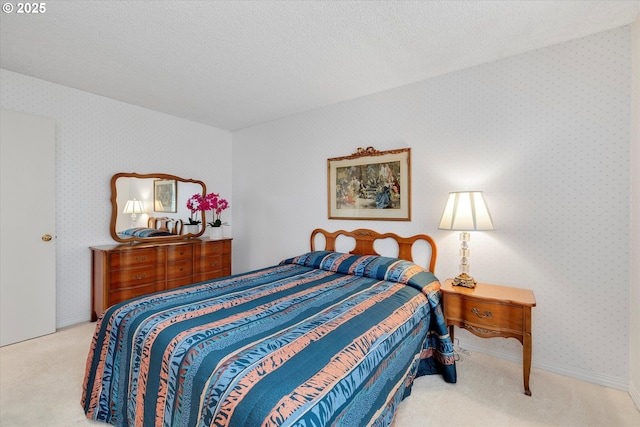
(323, 338)
(156, 227)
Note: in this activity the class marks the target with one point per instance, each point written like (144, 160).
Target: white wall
(97, 137)
(545, 134)
(634, 294)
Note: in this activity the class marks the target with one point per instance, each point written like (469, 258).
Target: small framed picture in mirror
(164, 195)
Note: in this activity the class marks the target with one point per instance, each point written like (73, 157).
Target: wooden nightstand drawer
(491, 315)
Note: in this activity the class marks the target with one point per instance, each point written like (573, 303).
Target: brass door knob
(46, 237)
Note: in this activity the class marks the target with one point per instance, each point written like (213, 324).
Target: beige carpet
(41, 380)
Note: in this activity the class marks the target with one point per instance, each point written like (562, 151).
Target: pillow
(372, 266)
(145, 232)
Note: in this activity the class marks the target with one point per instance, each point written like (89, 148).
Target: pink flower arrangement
(195, 203)
(210, 202)
(213, 202)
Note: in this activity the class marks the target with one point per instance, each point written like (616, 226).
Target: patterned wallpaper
(545, 135)
(634, 278)
(97, 137)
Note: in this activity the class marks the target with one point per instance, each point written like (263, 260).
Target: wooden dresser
(122, 272)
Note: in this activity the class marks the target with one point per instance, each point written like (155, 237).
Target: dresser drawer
(208, 264)
(116, 296)
(137, 258)
(177, 253)
(490, 315)
(211, 275)
(137, 276)
(178, 269)
(176, 283)
(209, 249)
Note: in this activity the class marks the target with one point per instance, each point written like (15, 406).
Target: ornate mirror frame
(115, 209)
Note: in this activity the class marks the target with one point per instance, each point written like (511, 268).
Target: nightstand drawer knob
(480, 315)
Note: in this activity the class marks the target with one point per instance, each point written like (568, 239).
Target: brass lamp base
(465, 280)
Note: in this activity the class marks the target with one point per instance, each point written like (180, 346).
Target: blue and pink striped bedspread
(321, 339)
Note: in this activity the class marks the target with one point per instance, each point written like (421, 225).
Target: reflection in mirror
(153, 207)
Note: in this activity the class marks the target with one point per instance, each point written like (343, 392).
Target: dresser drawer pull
(141, 276)
(480, 315)
(141, 258)
(213, 264)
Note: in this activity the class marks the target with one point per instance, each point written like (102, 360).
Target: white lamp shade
(133, 207)
(466, 211)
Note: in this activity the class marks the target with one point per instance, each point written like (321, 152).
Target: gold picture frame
(370, 185)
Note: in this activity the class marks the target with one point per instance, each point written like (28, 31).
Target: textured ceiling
(235, 64)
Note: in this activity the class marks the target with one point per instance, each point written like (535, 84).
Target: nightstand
(491, 311)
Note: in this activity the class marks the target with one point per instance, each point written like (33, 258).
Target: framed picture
(370, 184)
(164, 195)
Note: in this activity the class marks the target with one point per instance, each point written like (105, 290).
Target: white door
(27, 227)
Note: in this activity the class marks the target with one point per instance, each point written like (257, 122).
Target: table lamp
(465, 211)
(133, 207)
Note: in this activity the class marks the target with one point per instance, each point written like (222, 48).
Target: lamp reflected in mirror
(133, 207)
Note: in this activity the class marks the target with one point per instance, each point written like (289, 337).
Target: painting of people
(364, 184)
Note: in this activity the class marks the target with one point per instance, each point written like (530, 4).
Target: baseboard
(70, 321)
(635, 394)
(557, 368)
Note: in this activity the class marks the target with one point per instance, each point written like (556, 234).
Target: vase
(191, 228)
(215, 233)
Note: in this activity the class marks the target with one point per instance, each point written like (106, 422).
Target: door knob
(46, 237)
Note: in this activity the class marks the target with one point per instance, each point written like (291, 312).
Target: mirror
(153, 207)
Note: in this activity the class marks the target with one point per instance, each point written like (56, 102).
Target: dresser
(122, 272)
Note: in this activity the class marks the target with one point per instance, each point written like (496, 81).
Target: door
(27, 227)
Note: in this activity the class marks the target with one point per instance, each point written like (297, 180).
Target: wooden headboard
(365, 240)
